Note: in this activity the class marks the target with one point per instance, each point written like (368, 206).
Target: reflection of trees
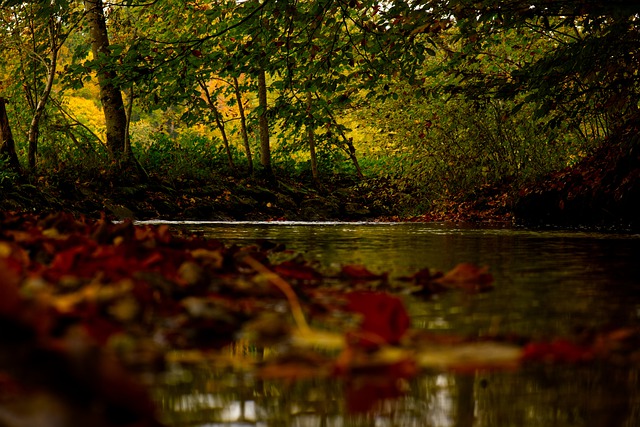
(559, 396)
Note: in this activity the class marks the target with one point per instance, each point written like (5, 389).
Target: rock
(121, 212)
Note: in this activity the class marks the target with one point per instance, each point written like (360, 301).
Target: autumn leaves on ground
(85, 303)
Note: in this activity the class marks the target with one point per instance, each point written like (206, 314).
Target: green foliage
(436, 148)
(185, 156)
(439, 100)
(574, 60)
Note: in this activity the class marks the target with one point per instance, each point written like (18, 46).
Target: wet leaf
(387, 360)
(468, 277)
(384, 318)
(293, 270)
(212, 258)
(319, 339)
(360, 273)
(469, 356)
(558, 350)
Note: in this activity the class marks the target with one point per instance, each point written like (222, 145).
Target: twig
(280, 283)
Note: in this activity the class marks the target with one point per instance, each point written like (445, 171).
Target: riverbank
(222, 197)
(600, 192)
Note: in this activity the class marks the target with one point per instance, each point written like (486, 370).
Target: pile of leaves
(84, 303)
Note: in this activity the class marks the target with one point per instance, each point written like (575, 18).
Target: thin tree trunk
(7, 145)
(243, 124)
(34, 128)
(263, 125)
(225, 140)
(350, 149)
(352, 154)
(110, 95)
(219, 122)
(311, 140)
(128, 113)
(128, 152)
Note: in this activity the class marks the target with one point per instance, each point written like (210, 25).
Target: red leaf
(469, 277)
(559, 350)
(385, 319)
(65, 261)
(297, 271)
(359, 272)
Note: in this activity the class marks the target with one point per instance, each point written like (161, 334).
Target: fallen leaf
(468, 277)
(297, 271)
(558, 350)
(470, 356)
(360, 273)
(318, 339)
(384, 318)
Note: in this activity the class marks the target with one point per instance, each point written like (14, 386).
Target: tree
(55, 39)
(7, 145)
(311, 140)
(243, 123)
(110, 94)
(586, 66)
(219, 121)
(263, 124)
(34, 34)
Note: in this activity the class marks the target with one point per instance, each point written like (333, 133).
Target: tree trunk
(351, 150)
(348, 142)
(128, 152)
(7, 145)
(128, 113)
(243, 124)
(225, 140)
(263, 124)
(34, 128)
(219, 123)
(311, 131)
(110, 95)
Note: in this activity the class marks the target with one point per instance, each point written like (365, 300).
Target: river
(547, 284)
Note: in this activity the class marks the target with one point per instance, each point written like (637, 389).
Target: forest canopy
(419, 100)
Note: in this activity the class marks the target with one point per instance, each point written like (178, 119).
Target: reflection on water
(547, 284)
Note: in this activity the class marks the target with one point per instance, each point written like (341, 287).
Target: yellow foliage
(88, 113)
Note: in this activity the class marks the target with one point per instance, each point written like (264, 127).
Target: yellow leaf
(470, 356)
(213, 258)
(318, 339)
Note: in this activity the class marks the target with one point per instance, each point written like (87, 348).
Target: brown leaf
(360, 273)
(297, 271)
(468, 277)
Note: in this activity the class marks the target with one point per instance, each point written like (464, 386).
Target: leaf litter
(84, 303)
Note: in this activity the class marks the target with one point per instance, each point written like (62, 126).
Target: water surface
(547, 284)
